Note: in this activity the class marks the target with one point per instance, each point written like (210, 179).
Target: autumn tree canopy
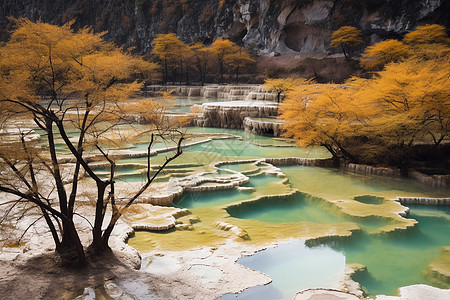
(383, 117)
(222, 48)
(427, 34)
(426, 42)
(321, 115)
(201, 57)
(346, 37)
(170, 51)
(282, 85)
(238, 60)
(378, 55)
(75, 87)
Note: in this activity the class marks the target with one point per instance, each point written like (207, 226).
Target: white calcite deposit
(418, 292)
(231, 114)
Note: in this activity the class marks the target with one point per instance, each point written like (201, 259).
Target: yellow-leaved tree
(409, 101)
(322, 115)
(283, 85)
(427, 34)
(378, 55)
(238, 60)
(346, 37)
(424, 43)
(376, 120)
(75, 88)
(170, 51)
(222, 48)
(201, 56)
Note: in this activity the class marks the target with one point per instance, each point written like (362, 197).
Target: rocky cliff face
(266, 25)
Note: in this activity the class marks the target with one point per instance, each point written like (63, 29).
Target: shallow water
(249, 148)
(391, 261)
(292, 267)
(222, 197)
(399, 260)
(335, 184)
(184, 104)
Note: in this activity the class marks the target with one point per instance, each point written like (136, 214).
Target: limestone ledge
(396, 228)
(260, 199)
(312, 294)
(431, 180)
(123, 154)
(438, 271)
(417, 292)
(423, 201)
(194, 182)
(246, 189)
(266, 127)
(371, 170)
(349, 285)
(435, 180)
(231, 114)
(316, 162)
(153, 217)
(226, 92)
(12, 134)
(241, 233)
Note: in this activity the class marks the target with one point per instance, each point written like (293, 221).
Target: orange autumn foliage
(406, 103)
(346, 37)
(76, 88)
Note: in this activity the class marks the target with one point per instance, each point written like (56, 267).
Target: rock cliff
(266, 25)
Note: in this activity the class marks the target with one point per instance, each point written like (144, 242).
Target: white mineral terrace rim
(242, 103)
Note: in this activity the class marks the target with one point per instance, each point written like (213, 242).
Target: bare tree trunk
(100, 210)
(345, 54)
(70, 249)
(221, 71)
(166, 72)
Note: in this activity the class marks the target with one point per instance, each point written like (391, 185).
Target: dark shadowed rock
(266, 25)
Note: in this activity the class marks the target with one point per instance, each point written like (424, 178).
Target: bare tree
(76, 89)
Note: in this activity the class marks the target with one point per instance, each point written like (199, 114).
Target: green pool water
(335, 184)
(223, 197)
(400, 260)
(393, 260)
(246, 149)
(300, 208)
(210, 198)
